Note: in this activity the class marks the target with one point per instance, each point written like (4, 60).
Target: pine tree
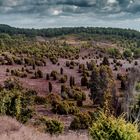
(105, 61)
(50, 87)
(84, 81)
(101, 85)
(61, 70)
(47, 76)
(72, 81)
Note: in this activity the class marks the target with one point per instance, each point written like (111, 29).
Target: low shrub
(81, 121)
(54, 75)
(52, 126)
(111, 128)
(63, 79)
(64, 108)
(138, 87)
(40, 100)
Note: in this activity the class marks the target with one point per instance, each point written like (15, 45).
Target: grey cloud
(49, 11)
(99, 6)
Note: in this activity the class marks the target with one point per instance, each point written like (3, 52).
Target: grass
(10, 129)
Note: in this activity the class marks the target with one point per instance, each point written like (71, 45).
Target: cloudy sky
(58, 13)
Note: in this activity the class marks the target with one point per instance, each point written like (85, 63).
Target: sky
(69, 13)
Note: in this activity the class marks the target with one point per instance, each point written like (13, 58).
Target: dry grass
(10, 129)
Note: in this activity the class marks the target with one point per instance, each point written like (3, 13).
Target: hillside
(64, 81)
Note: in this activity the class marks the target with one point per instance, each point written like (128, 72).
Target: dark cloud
(42, 6)
(52, 10)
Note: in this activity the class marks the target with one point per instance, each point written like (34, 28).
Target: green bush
(127, 53)
(111, 128)
(114, 52)
(53, 99)
(12, 83)
(63, 79)
(15, 103)
(64, 108)
(40, 100)
(81, 121)
(54, 75)
(61, 108)
(38, 74)
(78, 95)
(54, 127)
(138, 87)
(54, 60)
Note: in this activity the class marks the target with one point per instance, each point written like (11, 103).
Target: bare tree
(129, 98)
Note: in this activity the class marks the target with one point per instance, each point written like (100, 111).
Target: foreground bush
(111, 128)
(15, 101)
(16, 104)
(52, 126)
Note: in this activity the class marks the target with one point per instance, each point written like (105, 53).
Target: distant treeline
(53, 32)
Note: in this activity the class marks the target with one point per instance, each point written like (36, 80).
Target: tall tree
(101, 85)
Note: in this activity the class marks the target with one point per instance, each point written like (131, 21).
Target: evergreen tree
(105, 61)
(101, 85)
(50, 87)
(61, 70)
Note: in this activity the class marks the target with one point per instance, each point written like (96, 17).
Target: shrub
(17, 104)
(53, 99)
(67, 63)
(40, 100)
(127, 53)
(138, 87)
(38, 74)
(7, 70)
(105, 61)
(61, 108)
(54, 60)
(64, 108)
(73, 109)
(84, 81)
(137, 53)
(63, 79)
(81, 121)
(114, 52)
(78, 95)
(54, 127)
(111, 128)
(54, 75)
(136, 63)
(12, 83)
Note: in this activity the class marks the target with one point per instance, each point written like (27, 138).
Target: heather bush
(138, 87)
(54, 75)
(52, 126)
(64, 108)
(111, 128)
(63, 79)
(81, 121)
(15, 103)
(39, 100)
